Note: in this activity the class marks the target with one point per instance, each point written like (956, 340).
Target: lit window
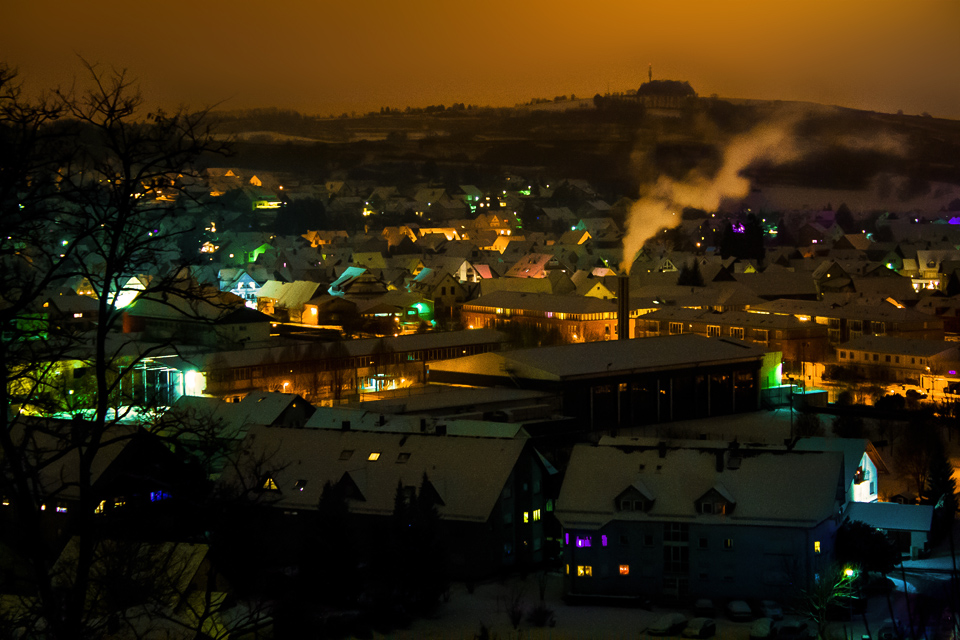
(584, 541)
(78, 315)
(603, 541)
(568, 569)
(536, 514)
(101, 507)
(584, 571)
(374, 455)
(624, 569)
(61, 508)
(526, 516)
(270, 485)
(728, 543)
(816, 546)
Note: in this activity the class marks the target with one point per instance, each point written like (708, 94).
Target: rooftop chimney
(623, 307)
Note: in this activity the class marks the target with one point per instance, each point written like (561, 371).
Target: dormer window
(714, 508)
(636, 498)
(716, 501)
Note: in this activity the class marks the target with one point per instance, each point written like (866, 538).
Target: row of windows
(341, 364)
(576, 317)
(703, 543)
(875, 357)
(673, 532)
(586, 571)
(716, 331)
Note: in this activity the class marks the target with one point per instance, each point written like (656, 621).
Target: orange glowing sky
(330, 56)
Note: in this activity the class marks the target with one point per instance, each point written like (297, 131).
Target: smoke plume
(661, 207)
(775, 141)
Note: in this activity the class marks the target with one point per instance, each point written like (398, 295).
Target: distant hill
(623, 148)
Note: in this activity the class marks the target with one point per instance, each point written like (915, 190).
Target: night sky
(330, 56)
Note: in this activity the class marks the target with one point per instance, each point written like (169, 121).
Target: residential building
(716, 521)
(492, 493)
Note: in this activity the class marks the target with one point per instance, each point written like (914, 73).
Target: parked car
(793, 630)
(700, 628)
(770, 609)
(668, 624)
(739, 610)
(704, 608)
(846, 607)
(762, 629)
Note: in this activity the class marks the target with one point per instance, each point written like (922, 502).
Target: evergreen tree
(940, 489)
(335, 553)
(861, 545)
(426, 547)
(690, 275)
(915, 452)
(849, 426)
(844, 219)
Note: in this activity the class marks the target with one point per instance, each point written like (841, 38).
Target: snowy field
(462, 616)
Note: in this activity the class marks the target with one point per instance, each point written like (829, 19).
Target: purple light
(566, 538)
(953, 373)
(738, 227)
(603, 540)
(156, 496)
(583, 542)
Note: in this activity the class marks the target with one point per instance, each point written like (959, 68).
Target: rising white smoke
(773, 142)
(662, 206)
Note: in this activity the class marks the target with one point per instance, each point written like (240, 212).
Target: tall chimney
(623, 307)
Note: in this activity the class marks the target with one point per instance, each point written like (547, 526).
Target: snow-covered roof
(467, 473)
(599, 359)
(771, 488)
(902, 346)
(891, 515)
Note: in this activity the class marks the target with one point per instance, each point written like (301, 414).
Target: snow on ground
(460, 618)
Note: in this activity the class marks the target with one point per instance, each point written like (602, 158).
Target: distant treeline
(600, 143)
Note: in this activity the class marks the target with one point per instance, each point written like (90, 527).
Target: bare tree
(85, 189)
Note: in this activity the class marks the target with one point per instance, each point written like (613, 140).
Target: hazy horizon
(330, 58)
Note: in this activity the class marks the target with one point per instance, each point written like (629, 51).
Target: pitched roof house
(676, 522)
